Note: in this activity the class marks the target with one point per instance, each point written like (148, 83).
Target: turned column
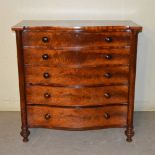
(24, 128)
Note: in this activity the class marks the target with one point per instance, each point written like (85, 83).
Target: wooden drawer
(38, 38)
(77, 76)
(60, 39)
(60, 96)
(77, 119)
(44, 57)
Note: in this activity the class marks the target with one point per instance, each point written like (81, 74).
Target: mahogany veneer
(75, 57)
(63, 96)
(67, 76)
(77, 119)
(77, 75)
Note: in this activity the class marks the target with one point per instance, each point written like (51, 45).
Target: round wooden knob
(108, 39)
(46, 75)
(45, 39)
(107, 95)
(106, 115)
(47, 116)
(108, 75)
(45, 56)
(108, 57)
(47, 95)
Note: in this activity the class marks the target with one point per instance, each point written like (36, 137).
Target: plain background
(140, 11)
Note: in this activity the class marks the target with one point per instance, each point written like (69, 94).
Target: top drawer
(60, 39)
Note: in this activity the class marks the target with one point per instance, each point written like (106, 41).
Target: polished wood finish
(133, 55)
(77, 75)
(77, 119)
(63, 39)
(86, 25)
(76, 57)
(25, 132)
(91, 96)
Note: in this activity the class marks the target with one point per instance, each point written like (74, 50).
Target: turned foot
(129, 133)
(25, 133)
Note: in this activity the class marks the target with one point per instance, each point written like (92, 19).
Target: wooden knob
(106, 115)
(108, 56)
(45, 56)
(108, 75)
(108, 39)
(107, 95)
(47, 116)
(47, 95)
(46, 75)
(45, 39)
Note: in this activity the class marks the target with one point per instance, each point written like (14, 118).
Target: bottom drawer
(77, 118)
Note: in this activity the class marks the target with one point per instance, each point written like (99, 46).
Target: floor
(96, 142)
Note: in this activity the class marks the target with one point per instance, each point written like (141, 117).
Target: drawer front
(60, 96)
(77, 76)
(38, 38)
(44, 57)
(58, 39)
(72, 39)
(77, 119)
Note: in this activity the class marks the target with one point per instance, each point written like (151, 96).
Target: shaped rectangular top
(77, 24)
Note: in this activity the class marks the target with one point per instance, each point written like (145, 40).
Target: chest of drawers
(77, 75)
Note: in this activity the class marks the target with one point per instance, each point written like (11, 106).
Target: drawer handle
(46, 75)
(47, 116)
(45, 39)
(108, 75)
(106, 115)
(108, 39)
(47, 95)
(45, 56)
(108, 57)
(107, 95)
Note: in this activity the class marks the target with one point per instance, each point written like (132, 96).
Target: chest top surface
(77, 24)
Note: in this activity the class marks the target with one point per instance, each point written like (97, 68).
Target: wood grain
(25, 132)
(132, 76)
(60, 96)
(57, 40)
(77, 118)
(73, 58)
(77, 76)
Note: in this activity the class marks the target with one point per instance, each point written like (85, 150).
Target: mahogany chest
(77, 75)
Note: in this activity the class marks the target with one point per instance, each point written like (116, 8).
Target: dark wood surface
(76, 118)
(75, 39)
(25, 132)
(75, 58)
(130, 131)
(77, 75)
(91, 96)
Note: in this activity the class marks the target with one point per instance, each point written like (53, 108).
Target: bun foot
(129, 133)
(25, 133)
